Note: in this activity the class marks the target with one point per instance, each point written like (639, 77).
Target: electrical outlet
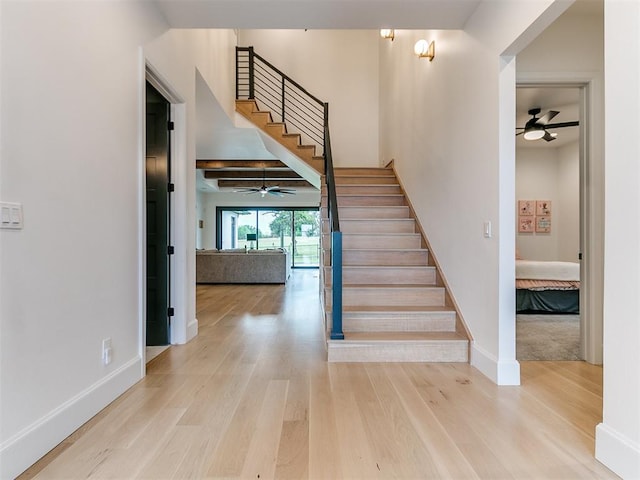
(107, 351)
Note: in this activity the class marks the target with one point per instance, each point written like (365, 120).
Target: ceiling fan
(264, 190)
(536, 128)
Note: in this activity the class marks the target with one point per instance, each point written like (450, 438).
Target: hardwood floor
(253, 397)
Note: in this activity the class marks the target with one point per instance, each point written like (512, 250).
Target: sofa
(243, 266)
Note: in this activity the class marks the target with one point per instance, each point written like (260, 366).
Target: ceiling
(321, 14)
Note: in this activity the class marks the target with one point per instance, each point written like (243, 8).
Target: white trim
(192, 329)
(507, 369)
(503, 373)
(27, 446)
(142, 216)
(617, 452)
(157, 80)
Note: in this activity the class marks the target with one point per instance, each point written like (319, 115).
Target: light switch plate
(487, 229)
(11, 217)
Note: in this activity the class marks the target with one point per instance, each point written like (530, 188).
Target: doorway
(552, 314)
(158, 203)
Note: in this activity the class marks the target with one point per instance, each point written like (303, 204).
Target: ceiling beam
(258, 183)
(252, 174)
(212, 164)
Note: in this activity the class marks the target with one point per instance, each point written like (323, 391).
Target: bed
(547, 287)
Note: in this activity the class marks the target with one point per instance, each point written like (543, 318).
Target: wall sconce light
(425, 50)
(387, 33)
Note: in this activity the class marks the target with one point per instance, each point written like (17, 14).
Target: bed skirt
(547, 301)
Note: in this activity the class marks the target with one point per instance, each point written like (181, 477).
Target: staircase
(278, 131)
(395, 307)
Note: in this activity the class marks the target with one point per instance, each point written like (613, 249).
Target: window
(296, 228)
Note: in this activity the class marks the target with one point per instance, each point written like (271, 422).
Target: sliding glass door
(306, 238)
(295, 229)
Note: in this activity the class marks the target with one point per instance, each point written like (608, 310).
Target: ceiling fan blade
(245, 190)
(546, 118)
(288, 192)
(548, 136)
(519, 133)
(563, 124)
(274, 187)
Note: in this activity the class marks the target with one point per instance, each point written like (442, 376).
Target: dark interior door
(158, 176)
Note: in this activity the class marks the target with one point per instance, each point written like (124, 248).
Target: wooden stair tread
(374, 207)
(400, 234)
(397, 309)
(366, 194)
(401, 337)
(391, 286)
(373, 220)
(387, 267)
(364, 185)
(378, 250)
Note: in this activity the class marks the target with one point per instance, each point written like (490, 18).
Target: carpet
(548, 337)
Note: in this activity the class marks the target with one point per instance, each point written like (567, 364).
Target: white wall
(72, 154)
(339, 67)
(213, 200)
(447, 124)
(551, 174)
(618, 436)
(440, 129)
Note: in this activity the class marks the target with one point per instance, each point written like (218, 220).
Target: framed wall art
(526, 207)
(543, 207)
(526, 224)
(543, 224)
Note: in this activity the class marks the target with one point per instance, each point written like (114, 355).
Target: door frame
(178, 223)
(591, 198)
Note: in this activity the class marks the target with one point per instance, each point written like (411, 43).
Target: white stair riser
(381, 241)
(374, 227)
(365, 189)
(397, 321)
(428, 351)
(369, 180)
(351, 171)
(384, 276)
(367, 200)
(384, 257)
(362, 213)
(401, 296)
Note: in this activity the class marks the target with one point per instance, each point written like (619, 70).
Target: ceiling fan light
(535, 134)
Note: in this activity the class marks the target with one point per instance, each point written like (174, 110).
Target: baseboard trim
(192, 329)
(499, 371)
(29, 445)
(617, 452)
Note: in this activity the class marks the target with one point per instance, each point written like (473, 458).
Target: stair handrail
(254, 75)
(336, 235)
